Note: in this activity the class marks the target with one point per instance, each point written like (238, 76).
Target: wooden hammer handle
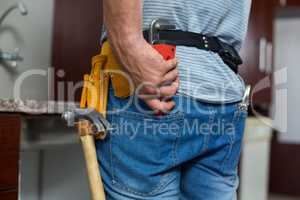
(93, 170)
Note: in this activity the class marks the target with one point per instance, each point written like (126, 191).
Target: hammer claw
(99, 123)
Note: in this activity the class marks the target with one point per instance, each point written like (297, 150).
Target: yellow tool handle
(93, 170)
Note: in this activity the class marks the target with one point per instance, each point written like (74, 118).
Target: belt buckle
(156, 26)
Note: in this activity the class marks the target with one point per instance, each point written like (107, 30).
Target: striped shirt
(203, 74)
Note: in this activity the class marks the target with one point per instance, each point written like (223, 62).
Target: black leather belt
(209, 43)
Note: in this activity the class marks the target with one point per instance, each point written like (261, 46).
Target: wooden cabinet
(9, 170)
(9, 156)
(293, 2)
(284, 3)
(76, 39)
(9, 195)
(257, 52)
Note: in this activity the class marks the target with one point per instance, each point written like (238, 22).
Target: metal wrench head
(156, 26)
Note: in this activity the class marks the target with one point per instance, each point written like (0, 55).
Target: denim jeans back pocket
(141, 148)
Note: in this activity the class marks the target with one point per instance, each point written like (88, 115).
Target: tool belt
(106, 69)
(209, 43)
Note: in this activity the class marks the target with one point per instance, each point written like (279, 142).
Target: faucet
(20, 6)
(12, 57)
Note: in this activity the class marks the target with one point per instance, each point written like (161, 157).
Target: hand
(156, 80)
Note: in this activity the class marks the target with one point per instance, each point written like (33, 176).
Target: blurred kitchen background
(45, 48)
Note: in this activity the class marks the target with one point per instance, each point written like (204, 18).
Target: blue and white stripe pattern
(203, 75)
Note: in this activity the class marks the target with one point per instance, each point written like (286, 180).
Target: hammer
(90, 124)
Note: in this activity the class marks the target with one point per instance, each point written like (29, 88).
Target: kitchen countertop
(35, 107)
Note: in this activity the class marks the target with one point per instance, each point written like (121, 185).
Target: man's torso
(203, 75)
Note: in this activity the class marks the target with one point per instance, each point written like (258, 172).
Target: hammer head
(100, 124)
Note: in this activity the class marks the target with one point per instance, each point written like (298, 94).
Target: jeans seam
(174, 151)
(175, 144)
(236, 118)
(211, 119)
(174, 158)
(111, 158)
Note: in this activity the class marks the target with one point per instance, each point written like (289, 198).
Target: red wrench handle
(168, 52)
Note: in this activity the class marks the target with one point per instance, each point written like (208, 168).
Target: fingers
(170, 76)
(169, 91)
(168, 72)
(162, 102)
(157, 106)
(164, 93)
(157, 96)
(167, 106)
(147, 90)
(170, 65)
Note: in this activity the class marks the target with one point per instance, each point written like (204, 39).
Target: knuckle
(175, 86)
(175, 62)
(175, 73)
(174, 90)
(157, 80)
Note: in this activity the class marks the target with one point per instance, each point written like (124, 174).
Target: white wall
(33, 35)
(287, 64)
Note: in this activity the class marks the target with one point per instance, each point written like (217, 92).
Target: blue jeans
(191, 153)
